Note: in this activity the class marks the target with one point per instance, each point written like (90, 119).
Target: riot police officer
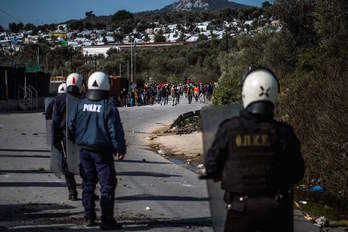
(257, 159)
(73, 87)
(95, 125)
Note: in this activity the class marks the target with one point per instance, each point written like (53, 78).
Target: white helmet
(99, 81)
(75, 79)
(62, 88)
(259, 84)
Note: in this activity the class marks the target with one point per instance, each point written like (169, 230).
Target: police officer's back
(257, 160)
(95, 125)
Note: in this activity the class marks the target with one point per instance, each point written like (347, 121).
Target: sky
(57, 11)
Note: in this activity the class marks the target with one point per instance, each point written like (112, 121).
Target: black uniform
(257, 160)
(59, 141)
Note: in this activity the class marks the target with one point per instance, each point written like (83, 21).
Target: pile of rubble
(187, 123)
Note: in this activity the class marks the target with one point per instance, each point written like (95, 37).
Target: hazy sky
(55, 11)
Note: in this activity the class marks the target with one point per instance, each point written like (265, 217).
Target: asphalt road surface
(153, 193)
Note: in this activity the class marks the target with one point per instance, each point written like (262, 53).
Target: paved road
(33, 199)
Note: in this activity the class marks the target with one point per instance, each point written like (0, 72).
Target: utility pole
(135, 61)
(95, 63)
(128, 70)
(46, 63)
(38, 57)
(71, 54)
(131, 71)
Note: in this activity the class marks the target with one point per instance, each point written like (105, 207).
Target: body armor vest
(251, 158)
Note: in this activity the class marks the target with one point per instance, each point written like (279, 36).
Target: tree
(266, 4)
(89, 14)
(160, 38)
(146, 37)
(122, 15)
(88, 26)
(297, 17)
(76, 25)
(182, 37)
(202, 37)
(100, 25)
(14, 27)
(118, 37)
(29, 27)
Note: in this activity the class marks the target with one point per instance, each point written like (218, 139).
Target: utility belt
(98, 149)
(236, 201)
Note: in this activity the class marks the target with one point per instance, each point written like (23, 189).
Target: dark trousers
(69, 177)
(259, 214)
(70, 182)
(98, 165)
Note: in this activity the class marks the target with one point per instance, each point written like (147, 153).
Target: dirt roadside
(187, 148)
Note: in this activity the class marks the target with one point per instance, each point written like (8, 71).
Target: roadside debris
(308, 218)
(162, 152)
(317, 188)
(303, 202)
(148, 208)
(200, 166)
(320, 221)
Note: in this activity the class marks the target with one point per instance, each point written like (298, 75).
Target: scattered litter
(308, 217)
(148, 208)
(161, 152)
(303, 202)
(317, 188)
(320, 222)
(186, 185)
(200, 166)
(188, 161)
(297, 204)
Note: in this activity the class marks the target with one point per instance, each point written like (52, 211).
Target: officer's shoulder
(284, 126)
(110, 102)
(230, 122)
(60, 97)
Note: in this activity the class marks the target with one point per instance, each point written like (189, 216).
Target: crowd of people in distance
(166, 93)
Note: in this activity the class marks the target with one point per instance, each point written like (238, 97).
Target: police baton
(63, 149)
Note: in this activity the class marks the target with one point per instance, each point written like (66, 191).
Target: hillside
(206, 5)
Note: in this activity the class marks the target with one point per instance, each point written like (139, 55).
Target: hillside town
(96, 42)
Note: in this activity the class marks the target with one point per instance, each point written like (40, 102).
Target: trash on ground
(161, 152)
(200, 166)
(148, 208)
(317, 188)
(303, 202)
(308, 217)
(320, 221)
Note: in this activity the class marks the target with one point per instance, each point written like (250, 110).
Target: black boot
(110, 224)
(89, 222)
(71, 183)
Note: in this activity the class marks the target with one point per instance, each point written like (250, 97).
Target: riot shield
(211, 117)
(56, 161)
(48, 120)
(72, 150)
